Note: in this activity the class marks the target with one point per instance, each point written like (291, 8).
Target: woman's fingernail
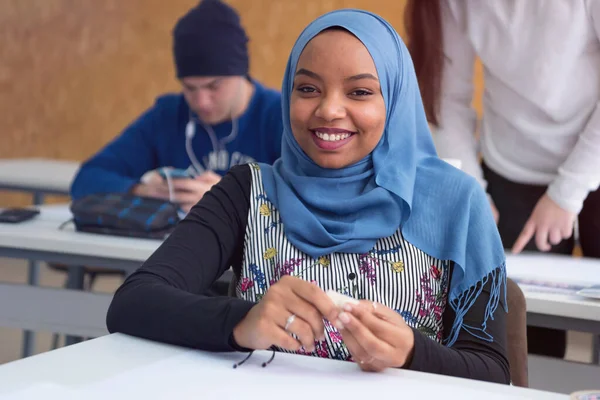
(345, 318)
(348, 307)
(338, 324)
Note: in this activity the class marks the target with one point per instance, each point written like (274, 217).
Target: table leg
(596, 349)
(33, 279)
(75, 281)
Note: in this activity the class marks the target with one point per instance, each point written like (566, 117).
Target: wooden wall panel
(73, 73)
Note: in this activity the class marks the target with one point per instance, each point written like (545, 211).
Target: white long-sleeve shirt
(541, 120)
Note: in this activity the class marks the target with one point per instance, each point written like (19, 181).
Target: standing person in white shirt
(540, 132)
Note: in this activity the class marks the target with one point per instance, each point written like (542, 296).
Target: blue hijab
(401, 184)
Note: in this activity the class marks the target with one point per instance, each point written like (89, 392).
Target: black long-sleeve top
(164, 300)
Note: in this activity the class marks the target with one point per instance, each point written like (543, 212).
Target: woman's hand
(376, 336)
(291, 306)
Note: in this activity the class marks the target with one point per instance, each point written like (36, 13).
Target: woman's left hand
(376, 336)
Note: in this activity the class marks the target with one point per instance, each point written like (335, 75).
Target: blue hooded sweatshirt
(158, 139)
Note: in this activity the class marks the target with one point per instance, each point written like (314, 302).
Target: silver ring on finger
(289, 321)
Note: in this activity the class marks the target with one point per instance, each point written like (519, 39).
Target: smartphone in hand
(175, 173)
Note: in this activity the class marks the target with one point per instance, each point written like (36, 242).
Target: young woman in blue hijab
(360, 204)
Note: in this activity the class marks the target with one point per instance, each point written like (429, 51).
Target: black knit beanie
(210, 41)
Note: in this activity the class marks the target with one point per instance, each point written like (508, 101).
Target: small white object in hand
(340, 300)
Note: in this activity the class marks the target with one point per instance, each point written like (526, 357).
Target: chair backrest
(232, 286)
(516, 332)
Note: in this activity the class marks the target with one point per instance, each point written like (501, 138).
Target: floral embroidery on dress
(270, 253)
(367, 267)
(266, 210)
(397, 266)
(394, 273)
(408, 317)
(386, 252)
(431, 304)
(246, 284)
(436, 272)
(336, 350)
(322, 261)
(259, 276)
(335, 337)
(321, 349)
(374, 258)
(288, 267)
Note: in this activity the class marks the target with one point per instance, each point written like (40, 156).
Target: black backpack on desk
(124, 214)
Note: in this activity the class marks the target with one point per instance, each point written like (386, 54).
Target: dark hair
(423, 21)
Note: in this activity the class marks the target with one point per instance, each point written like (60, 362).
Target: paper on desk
(42, 390)
(537, 285)
(199, 375)
(592, 292)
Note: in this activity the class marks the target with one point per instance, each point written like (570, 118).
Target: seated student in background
(540, 133)
(234, 119)
(358, 203)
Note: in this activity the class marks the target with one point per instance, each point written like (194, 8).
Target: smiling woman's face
(337, 111)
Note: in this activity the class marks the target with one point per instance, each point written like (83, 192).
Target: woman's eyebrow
(304, 71)
(310, 74)
(362, 76)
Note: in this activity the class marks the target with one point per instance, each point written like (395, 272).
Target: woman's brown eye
(361, 93)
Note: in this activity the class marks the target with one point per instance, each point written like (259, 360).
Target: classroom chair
(516, 327)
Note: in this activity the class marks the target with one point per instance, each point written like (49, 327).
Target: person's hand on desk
(376, 336)
(152, 185)
(549, 223)
(290, 306)
(186, 192)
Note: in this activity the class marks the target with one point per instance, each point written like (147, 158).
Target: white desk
(83, 314)
(70, 312)
(37, 175)
(58, 310)
(41, 239)
(566, 311)
(122, 367)
(557, 310)
(67, 311)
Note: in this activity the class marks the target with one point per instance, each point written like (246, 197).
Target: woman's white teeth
(332, 137)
